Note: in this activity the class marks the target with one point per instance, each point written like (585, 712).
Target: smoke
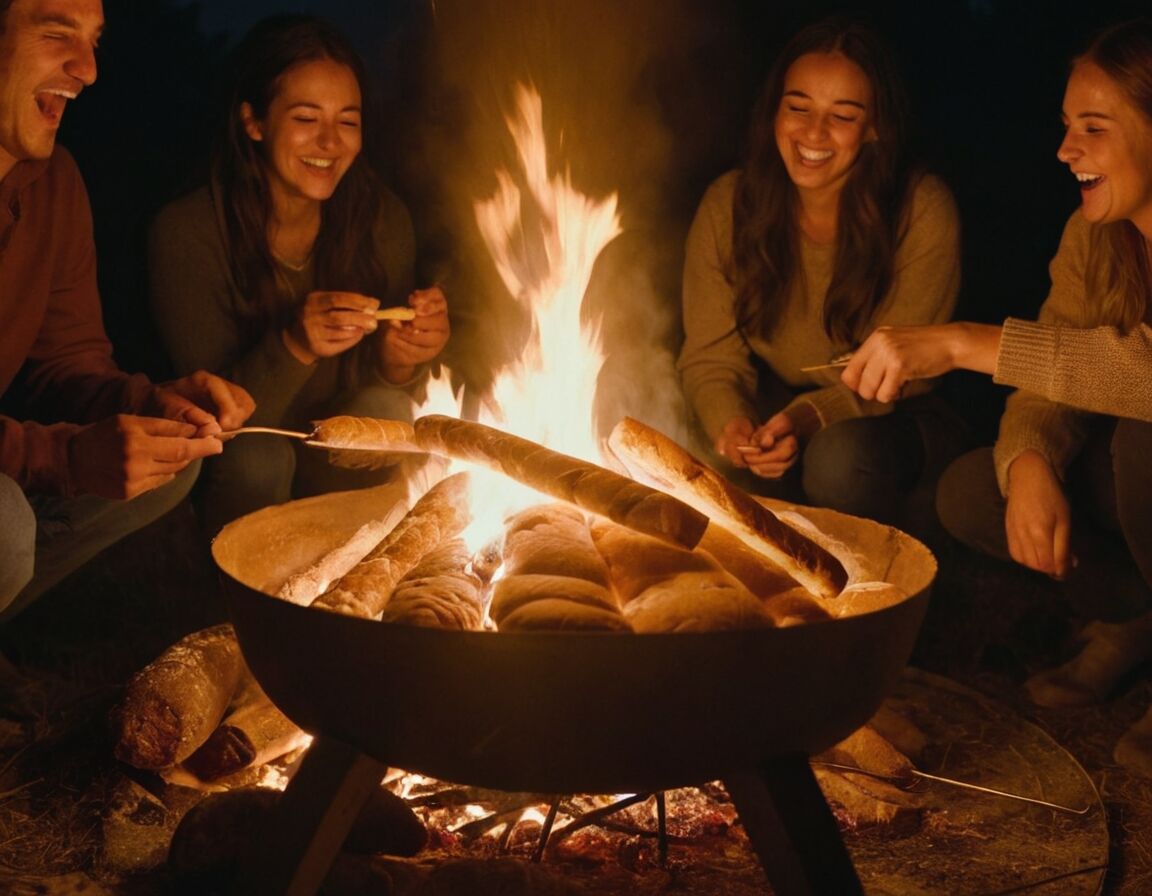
(637, 100)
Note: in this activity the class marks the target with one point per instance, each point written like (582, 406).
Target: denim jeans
(43, 539)
(1109, 488)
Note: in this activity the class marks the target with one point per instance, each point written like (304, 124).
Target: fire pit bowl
(565, 712)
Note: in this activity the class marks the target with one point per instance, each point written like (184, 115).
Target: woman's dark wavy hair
(1119, 275)
(766, 231)
(344, 255)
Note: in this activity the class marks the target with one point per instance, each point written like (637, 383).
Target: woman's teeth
(812, 155)
(1088, 181)
(318, 163)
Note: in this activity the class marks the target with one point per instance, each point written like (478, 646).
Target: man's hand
(210, 403)
(1037, 520)
(125, 456)
(407, 344)
(330, 323)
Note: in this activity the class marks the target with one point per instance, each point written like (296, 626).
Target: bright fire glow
(544, 239)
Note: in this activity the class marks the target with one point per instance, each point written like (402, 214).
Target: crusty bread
(796, 606)
(441, 513)
(172, 705)
(583, 484)
(652, 457)
(554, 577)
(668, 589)
(439, 592)
(364, 434)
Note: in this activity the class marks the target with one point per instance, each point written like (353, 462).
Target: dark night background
(986, 75)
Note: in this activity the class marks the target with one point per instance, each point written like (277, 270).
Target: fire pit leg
(293, 855)
(792, 830)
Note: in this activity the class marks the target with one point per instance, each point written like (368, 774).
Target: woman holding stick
(825, 232)
(293, 269)
(1067, 489)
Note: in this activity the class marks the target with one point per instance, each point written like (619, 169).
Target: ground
(988, 628)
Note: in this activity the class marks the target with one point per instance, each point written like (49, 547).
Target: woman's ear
(251, 125)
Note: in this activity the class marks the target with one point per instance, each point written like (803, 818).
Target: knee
(846, 465)
(966, 498)
(17, 541)
(384, 402)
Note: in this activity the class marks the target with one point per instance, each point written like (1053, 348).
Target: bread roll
(554, 577)
(439, 592)
(667, 589)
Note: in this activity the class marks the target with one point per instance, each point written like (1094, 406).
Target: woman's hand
(775, 447)
(734, 439)
(1038, 521)
(892, 356)
(407, 344)
(330, 323)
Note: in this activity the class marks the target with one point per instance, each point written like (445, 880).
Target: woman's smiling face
(1108, 147)
(311, 134)
(823, 121)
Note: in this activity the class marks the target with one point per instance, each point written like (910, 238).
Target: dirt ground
(988, 628)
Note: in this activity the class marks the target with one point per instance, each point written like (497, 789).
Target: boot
(1134, 749)
(1111, 652)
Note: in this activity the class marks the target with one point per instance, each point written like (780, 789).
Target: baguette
(583, 484)
(363, 443)
(652, 457)
(172, 705)
(441, 513)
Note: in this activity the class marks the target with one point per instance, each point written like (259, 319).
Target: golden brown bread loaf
(586, 485)
(652, 457)
(441, 513)
(663, 588)
(369, 443)
(554, 578)
(439, 592)
(172, 705)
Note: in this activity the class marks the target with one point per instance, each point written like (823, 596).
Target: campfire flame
(544, 237)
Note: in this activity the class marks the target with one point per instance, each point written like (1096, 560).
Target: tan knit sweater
(715, 362)
(1066, 367)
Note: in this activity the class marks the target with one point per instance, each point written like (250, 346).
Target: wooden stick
(588, 486)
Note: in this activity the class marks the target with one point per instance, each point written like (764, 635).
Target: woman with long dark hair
(825, 232)
(1067, 488)
(274, 271)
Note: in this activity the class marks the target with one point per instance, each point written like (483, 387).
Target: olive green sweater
(716, 363)
(1067, 367)
(199, 309)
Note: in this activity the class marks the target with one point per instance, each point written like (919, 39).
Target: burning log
(566, 478)
(253, 733)
(442, 512)
(439, 592)
(172, 705)
(555, 579)
(652, 457)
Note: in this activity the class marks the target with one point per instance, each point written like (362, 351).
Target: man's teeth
(318, 163)
(812, 155)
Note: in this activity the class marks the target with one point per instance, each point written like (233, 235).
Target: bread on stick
(652, 457)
